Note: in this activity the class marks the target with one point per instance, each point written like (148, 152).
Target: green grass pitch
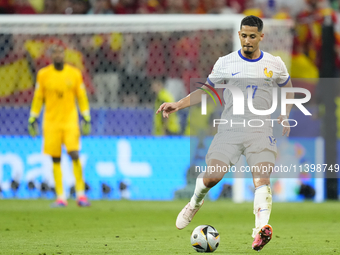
(144, 227)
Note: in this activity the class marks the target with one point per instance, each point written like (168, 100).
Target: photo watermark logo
(204, 97)
(238, 103)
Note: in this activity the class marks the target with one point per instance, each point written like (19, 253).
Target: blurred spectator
(175, 6)
(74, 6)
(6, 7)
(214, 44)
(268, 7)
(150, 7)
(208, 5)
(125, 7)
(238, 6)
(80, 6)
(283, 13)
(102, 61)
(100, 7)
(13, 59)
(159, 50)
(134, 81)
(23, 7)
(164, 126)
(306, 57)
(190, 47)
(65, 7)
(50, 7)
(184, 57)
(253, 9)
(220, 7)
(195, 7)
(279, 8)
(294, 6)
(176, 88)
(309, 29)
(157, 56)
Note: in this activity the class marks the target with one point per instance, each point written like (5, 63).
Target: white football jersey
(260, 76)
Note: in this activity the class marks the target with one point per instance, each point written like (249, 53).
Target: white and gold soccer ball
(205, 238)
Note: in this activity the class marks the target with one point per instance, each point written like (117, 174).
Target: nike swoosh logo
(234, 74)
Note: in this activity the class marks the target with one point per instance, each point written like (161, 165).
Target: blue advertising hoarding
(141, 168)
(151, 168)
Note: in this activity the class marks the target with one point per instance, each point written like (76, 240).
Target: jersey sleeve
(38, 98)
(283, 76)
(83, 102)
(217, 75)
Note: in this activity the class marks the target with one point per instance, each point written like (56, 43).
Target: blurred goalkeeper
(59, 86)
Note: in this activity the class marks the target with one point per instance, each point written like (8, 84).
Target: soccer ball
(205, 238)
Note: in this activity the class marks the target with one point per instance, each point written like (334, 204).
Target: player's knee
(211, 181)
(56, 160)
(74, 155)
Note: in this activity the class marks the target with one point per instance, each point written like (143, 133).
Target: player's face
(250, 39)
(57, 54)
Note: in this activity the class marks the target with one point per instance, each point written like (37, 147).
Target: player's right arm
(37, 103)
(195, 97)
(191, 99)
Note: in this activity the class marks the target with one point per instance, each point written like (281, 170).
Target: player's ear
(239, 34)
(261, 37)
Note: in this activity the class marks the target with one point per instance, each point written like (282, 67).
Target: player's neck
(58, 66)
(255, 55)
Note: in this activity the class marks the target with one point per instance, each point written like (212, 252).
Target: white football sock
(200, 191)
(62, 197)
(262, 205)
(80, 193)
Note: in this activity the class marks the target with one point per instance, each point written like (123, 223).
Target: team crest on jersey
(268, 74)
(272, 140)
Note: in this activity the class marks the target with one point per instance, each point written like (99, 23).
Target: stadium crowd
(279, 9)
(263, 8)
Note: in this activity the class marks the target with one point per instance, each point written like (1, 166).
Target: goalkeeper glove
(33, 128)
(86, 125)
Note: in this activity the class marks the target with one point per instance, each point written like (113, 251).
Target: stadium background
(124, 58)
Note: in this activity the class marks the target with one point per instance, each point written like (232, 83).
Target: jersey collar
(250, 60)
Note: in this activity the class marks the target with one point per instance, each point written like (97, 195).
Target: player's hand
(286, 130)
(86, 125)
(167, 109)
(33, 128)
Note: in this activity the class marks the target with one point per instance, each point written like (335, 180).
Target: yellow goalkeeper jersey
(59, 91)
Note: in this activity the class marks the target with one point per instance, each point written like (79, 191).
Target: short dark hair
(252, 21)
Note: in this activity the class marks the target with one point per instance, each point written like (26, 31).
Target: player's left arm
(290, 95)
(284, 80)
(84, 105)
